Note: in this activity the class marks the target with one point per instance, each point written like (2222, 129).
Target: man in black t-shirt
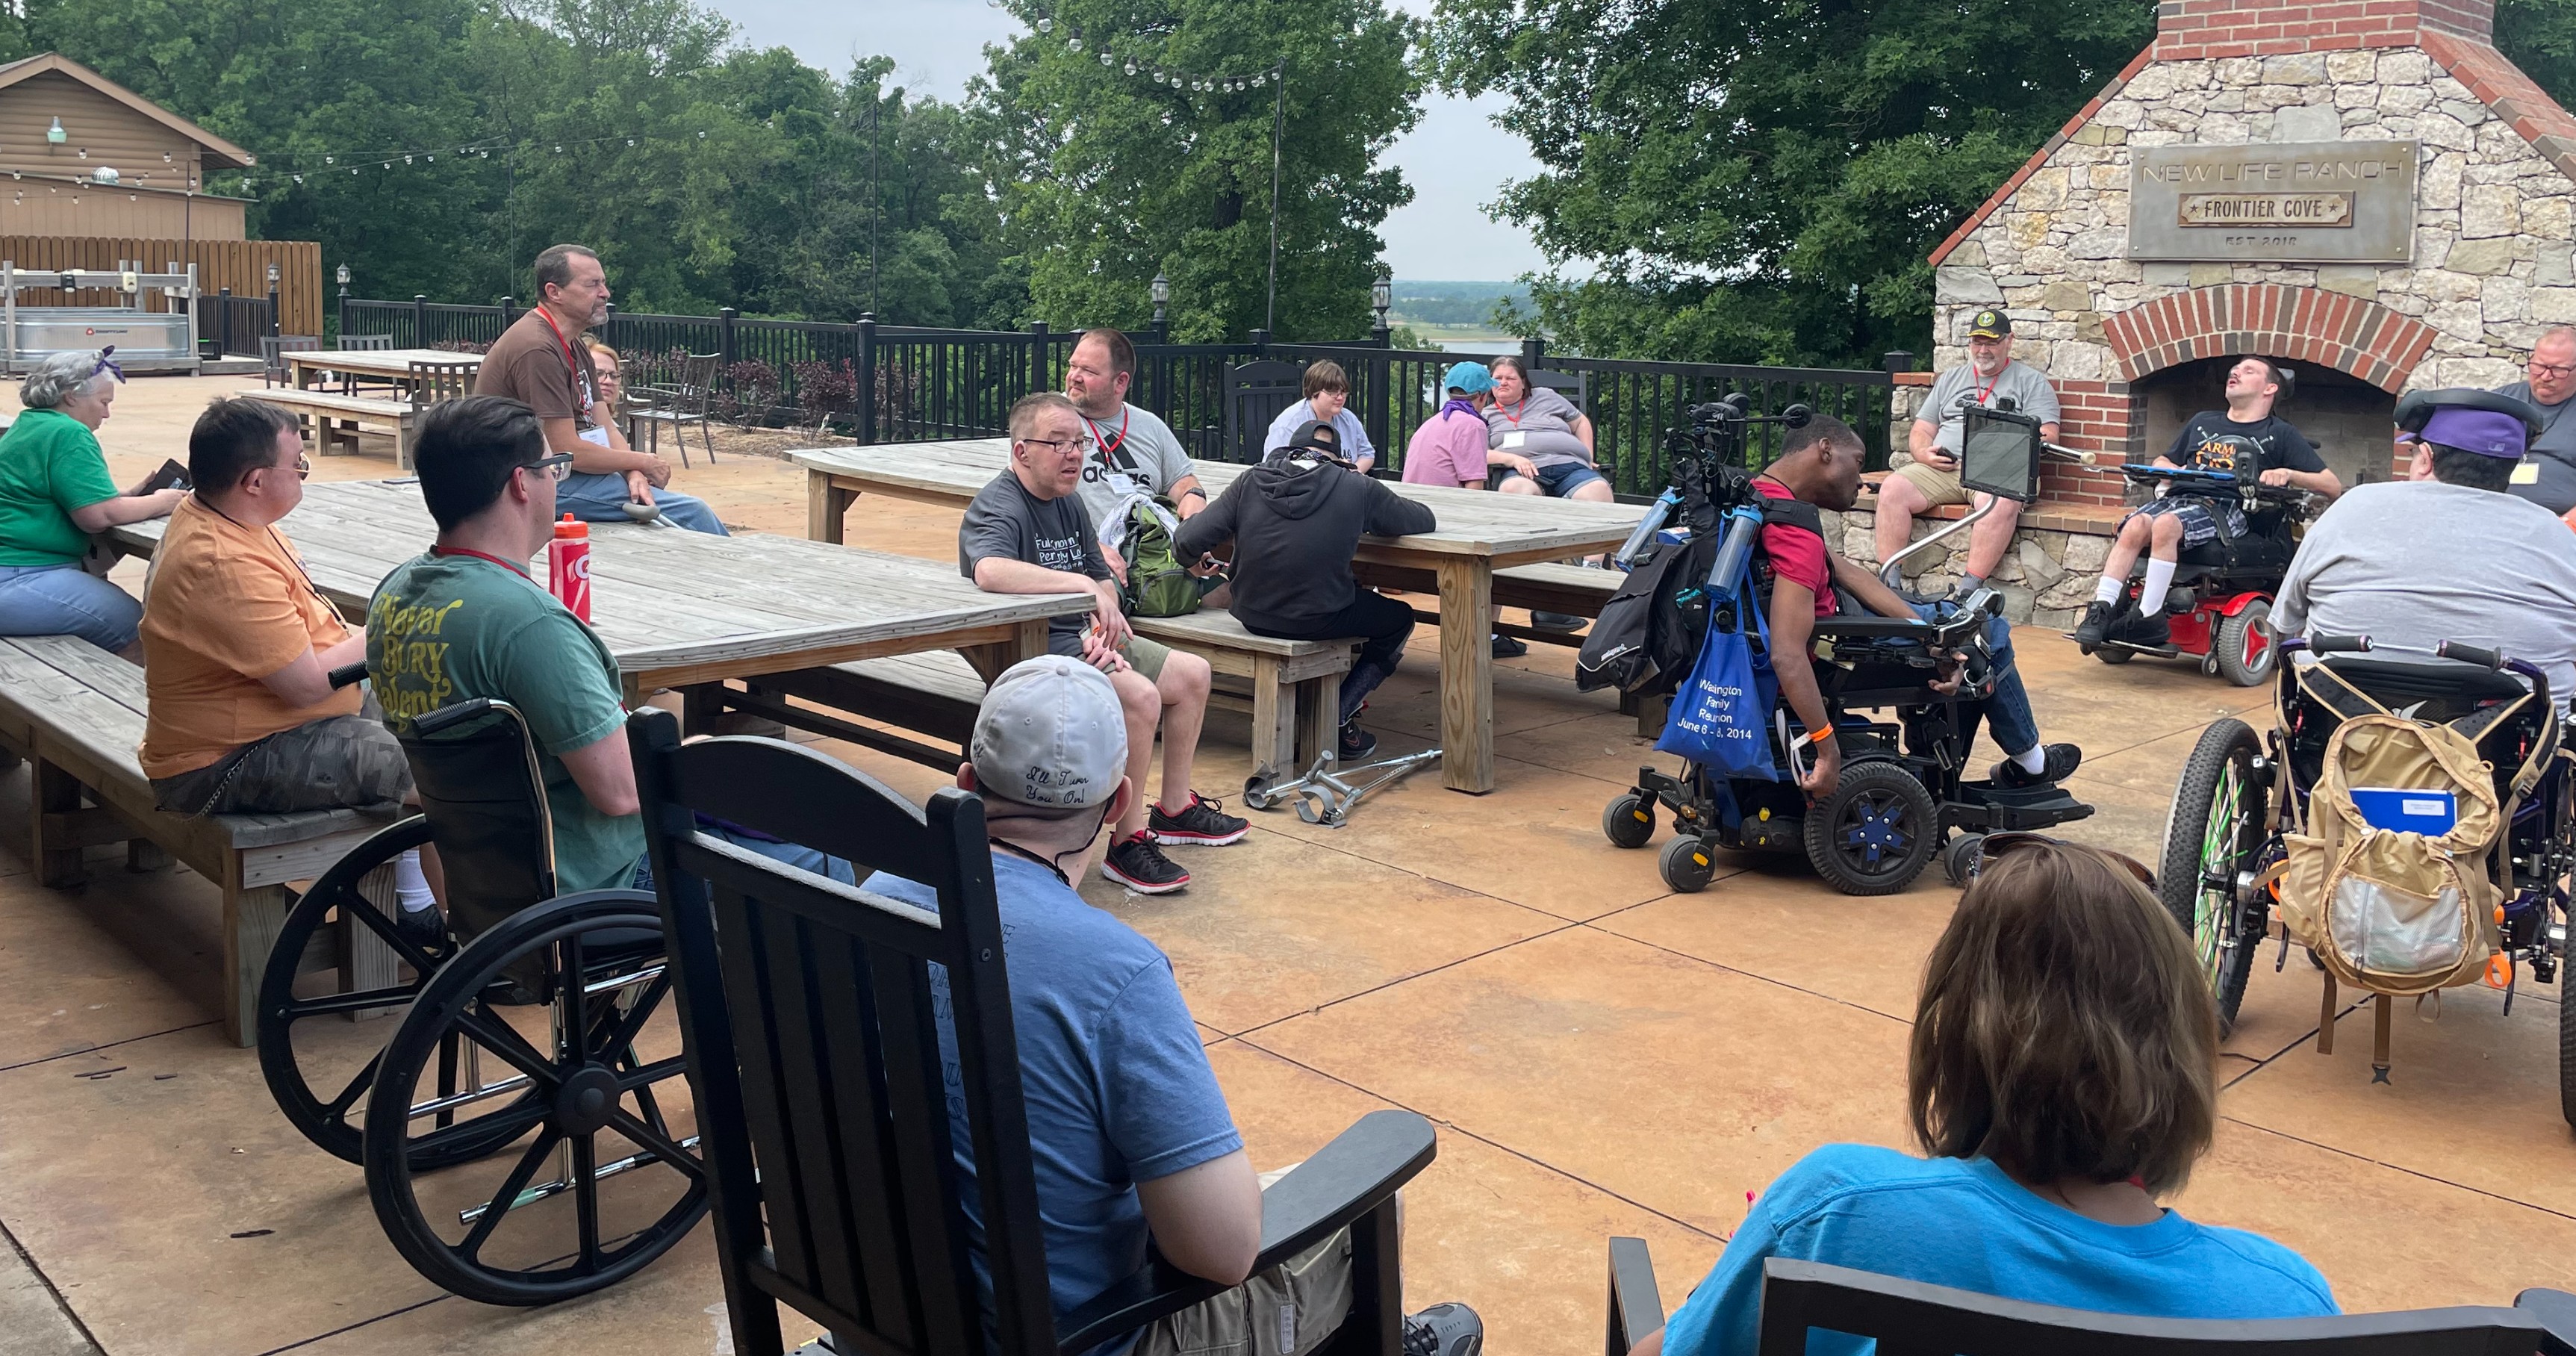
(1027, 532)
(2209, 442)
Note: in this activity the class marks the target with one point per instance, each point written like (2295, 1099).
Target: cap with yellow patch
(1990, 324)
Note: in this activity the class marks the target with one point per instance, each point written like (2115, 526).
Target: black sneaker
(2140, 629)
(2097, 620)
(2061, 761)
(1202, 823)
(1140, 865)
(1356, 743)
(422, 928)
(1557, 621)
(1509, 647)
(1444, 1330)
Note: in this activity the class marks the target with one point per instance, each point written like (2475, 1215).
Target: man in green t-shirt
(467, 621)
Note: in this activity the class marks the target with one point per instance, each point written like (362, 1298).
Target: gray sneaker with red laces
(1137, 863)
(1201, 823)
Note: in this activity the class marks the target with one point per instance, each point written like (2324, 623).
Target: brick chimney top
(2195, 29)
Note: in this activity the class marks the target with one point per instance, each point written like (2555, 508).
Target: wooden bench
(1292, 688)
(335, 421)
(76, 712)
(1546, 586)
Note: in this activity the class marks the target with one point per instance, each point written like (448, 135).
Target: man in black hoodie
(1296, 519)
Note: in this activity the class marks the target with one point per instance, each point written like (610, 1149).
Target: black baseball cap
(1990, 324)
(1317, 435)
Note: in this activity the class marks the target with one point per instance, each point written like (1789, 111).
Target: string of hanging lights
(279, 171)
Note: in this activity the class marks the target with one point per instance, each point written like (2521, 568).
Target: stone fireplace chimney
(2363, 190)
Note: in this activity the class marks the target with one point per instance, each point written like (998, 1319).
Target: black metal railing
(236, 324)
(892, 383)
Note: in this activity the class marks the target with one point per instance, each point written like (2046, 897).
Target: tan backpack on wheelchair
(2397, 912)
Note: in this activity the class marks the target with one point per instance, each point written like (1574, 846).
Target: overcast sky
(1456, 159)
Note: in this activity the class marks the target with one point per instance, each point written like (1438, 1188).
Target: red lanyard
(480, 555)
(1513, 415)
(1107, 444)
(1989, 388)
(580, 387)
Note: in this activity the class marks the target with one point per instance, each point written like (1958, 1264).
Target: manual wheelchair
(1903, 790)
(2222, 590)
(2240, 792)
(532, 1039)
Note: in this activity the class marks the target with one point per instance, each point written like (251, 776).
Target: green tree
(2540, 37)
(1107, 178)
(1759, 181)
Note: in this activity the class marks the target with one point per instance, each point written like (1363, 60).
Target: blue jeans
(2008, 709)
(1559, 480)
(594, 496)
(65, 600)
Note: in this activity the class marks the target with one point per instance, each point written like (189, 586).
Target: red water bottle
(568, 565)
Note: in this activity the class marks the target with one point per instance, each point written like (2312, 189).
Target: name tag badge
(2527, 471)
(1514, 439)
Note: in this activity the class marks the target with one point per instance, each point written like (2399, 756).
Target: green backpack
(1157, 584)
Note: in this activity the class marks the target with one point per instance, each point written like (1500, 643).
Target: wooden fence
(241, 265)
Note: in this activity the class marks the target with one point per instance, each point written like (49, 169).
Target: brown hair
(1323, 375)
(2065, 1028)
(1024, 415)
(1512, 361)
(1122, 350)
(554, 265)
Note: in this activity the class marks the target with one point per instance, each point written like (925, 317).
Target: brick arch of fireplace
(2301, 324)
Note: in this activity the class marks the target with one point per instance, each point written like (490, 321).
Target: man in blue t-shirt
(1129, 1131)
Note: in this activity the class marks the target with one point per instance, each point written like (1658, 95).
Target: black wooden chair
(1909, 1318)
(1255, 393)
(814, 1055)
(273, 349)
(686, 400)
(353, 383)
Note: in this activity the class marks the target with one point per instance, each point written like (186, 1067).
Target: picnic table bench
(76, 712)
(1479, 534)
(1291, 688)
(333, 421)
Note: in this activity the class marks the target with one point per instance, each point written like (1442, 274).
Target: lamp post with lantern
(273, 326)
(1381, 296)
(1162, 292)
(343, 276)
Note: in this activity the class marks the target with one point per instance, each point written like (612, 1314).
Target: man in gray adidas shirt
(1989, 378)
(2457, 557)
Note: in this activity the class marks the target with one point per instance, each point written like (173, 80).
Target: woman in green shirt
(54, 493)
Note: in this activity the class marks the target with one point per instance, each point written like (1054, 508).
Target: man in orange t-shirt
(238, 644)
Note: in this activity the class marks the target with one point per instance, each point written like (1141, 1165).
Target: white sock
(410, 886)
(2160, 573)
(2033, 759)
(2108, 591)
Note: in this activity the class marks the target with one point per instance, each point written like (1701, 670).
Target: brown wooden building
(62, 187)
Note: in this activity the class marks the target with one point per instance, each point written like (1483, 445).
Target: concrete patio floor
(1601, 1056)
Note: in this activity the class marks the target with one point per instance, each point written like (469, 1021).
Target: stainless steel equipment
(145, 340)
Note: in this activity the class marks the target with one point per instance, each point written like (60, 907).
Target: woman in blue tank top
(2063, 1076)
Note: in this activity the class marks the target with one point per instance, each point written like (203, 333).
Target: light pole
(1381, 296)
(1162, 292)
(343, 275)
(275, 322)
(1278, 123)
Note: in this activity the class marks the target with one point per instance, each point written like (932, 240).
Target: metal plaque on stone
(2274, 202)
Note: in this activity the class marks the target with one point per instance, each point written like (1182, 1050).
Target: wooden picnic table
(304, 371)
(681, 609)
(1478, 531)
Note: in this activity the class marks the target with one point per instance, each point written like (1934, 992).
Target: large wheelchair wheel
(621, 1179)
(2566, 1044)
(1876, 832)
(318, 1061)
(2213, 835)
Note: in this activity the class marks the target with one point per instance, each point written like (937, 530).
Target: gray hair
(60, 377)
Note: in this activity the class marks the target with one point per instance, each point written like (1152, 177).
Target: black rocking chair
(814, 1054)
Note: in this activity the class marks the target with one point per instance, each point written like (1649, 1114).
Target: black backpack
(1649, 632)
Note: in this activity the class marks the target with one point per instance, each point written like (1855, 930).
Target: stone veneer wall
(2492, 265)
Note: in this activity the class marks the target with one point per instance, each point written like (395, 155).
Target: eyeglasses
(1083, 441)
(303, 467)
(556, 467)
(2542, 369)
(1995, 844)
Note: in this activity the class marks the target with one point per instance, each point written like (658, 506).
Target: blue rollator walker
(1902, 795)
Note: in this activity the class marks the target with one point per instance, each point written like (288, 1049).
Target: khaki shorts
(1939, 487)
(1142, 655)
(1292, 1308)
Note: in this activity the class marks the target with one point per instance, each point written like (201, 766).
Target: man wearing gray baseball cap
(1131, 1134)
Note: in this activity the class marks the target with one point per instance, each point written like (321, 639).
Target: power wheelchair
(532, 1040)
(2241, 792)
(2222, 590)
(1904, 791)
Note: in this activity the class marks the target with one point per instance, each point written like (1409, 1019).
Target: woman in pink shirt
(1449, 448)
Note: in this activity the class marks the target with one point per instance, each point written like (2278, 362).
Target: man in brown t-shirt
(540, 362)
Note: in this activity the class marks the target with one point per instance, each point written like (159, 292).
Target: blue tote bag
(1721, 718)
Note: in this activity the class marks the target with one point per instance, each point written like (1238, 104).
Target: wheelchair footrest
(1989, 808)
